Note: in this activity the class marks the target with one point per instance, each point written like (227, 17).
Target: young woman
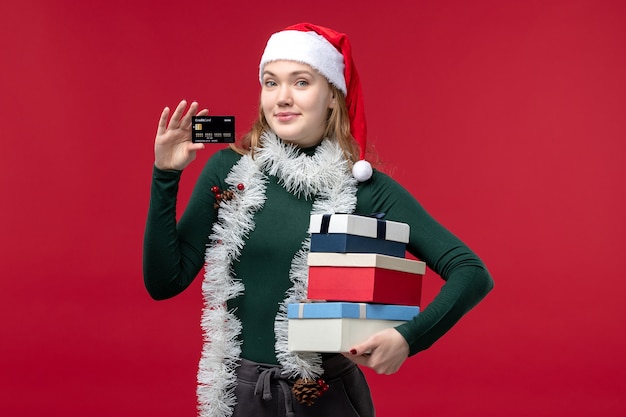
(248, 218)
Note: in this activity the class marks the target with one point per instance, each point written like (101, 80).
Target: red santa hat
(329, 52)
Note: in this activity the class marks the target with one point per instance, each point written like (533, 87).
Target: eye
(302, 83)
(269, 83)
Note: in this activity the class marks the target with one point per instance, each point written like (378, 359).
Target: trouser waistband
(333, 367)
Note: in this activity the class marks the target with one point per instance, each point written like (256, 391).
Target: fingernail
(353, 351)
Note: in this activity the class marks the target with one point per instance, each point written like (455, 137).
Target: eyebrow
(295, 73)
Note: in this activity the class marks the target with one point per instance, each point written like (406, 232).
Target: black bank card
(213, 129)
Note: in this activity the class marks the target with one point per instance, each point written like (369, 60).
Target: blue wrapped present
(338, 310)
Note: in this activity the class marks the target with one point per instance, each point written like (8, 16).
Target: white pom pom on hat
(330, 53)
(362, 170)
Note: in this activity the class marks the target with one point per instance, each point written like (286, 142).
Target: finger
(180, 109)
(364, 348)
(186, 120)
(359, 359)
(203, 112)
(371, 362)
(196, 146)
(163, 121)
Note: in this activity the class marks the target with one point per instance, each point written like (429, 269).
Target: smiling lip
(286, 116)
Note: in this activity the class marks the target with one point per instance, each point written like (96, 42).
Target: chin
(286, 136)
(289, 140)
(295, 138)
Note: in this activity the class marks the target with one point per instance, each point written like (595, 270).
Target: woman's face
(295, 99)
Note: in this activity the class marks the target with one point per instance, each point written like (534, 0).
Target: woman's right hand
(173, 148)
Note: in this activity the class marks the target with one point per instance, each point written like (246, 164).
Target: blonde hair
(337, 128)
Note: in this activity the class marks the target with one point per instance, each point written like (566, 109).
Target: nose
(284, 96)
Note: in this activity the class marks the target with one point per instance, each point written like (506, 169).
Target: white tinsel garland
(221, 328)
(324, 176)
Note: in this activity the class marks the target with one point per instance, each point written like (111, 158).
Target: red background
(505, 119)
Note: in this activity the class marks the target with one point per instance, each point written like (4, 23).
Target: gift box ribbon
(381, 225)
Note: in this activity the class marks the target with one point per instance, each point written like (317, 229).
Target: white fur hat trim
(308, 48)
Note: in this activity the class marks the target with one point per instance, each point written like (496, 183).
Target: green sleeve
(467, 278)
(173, 252)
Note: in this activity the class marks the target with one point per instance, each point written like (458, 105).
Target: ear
(331, 105)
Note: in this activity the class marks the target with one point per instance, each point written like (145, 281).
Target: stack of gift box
(359, 283)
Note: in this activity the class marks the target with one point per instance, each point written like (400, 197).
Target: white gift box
(337, 327)
(360, 226)
(333, 335)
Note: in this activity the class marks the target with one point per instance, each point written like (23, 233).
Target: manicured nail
(353, 351)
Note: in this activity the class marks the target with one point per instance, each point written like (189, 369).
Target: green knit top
(174, 252)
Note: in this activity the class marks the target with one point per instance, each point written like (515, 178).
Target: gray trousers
(262, 391)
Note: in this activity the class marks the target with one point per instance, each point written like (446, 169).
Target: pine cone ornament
(307, 391)
(225, 195)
